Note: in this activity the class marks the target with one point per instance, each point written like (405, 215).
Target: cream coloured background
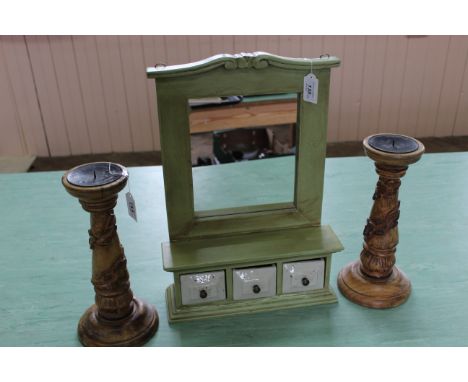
(69, 95)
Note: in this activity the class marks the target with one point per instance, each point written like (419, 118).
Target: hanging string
(116, 173)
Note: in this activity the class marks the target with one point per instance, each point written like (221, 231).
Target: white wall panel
(66, 95)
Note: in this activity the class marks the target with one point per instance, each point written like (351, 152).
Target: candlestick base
(370, 292)
(134, 330)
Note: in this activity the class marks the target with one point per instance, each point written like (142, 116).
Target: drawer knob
(305, 281)
(203, 294)
(256, 289)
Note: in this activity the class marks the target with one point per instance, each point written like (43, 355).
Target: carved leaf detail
(246, 60)
(377, 226)
(104, 236)
(386, 188)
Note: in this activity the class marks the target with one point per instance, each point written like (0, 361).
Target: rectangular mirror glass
(233, 140)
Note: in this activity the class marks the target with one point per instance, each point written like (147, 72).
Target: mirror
(233, 140)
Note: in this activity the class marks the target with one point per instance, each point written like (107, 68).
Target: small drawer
(254, 282)
(302, 276)
(198, 288)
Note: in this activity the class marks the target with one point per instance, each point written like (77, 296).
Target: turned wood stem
(374, 280)
(117, 318)
(110, 278)
(381, 230)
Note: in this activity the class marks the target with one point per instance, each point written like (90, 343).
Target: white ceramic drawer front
(302, 276)
(254, 282)
(198, 288)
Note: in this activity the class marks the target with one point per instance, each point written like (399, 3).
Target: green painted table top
(45, 262)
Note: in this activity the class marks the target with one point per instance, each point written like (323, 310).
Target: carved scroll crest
(246, 60)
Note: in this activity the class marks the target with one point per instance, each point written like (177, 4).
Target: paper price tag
(310, 88)
(131, 206)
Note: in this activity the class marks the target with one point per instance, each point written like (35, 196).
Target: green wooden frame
(249, 74)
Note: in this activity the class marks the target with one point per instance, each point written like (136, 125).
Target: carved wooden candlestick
(117, 318)
(374, 280)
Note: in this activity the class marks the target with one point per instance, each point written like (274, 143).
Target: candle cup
(117, 318)
(374, 281)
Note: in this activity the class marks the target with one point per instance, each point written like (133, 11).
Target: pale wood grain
(12, 143)
(154, 53)
(69, 88)
(223, 44)
(334, 45)
(268, 44)
(421, 88)
(245, 44)
(89, 72)
(374, 66)
(392, 86)
(19, 71)
(353, 75)
(312, 46)
(453, 80)
(290, 46)
(115, 97)
(434, 70)
(199, 47)
(136, 84)
(411, 91)
(177, 50)
(255, 114)
(461, 121)
(49, 95)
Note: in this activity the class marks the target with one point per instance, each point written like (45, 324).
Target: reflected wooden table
(253, 111)
(45, 262)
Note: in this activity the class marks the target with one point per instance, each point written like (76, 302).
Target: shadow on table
(292, 327)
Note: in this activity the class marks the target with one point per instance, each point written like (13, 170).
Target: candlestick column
(381, 231)
(374, 280)
(117, 318)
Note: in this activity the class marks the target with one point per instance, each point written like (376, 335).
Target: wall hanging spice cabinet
(252, 257)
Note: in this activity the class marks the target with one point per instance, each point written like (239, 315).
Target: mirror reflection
(233, 141)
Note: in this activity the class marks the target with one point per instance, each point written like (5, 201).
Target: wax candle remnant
(392, 143)
(95, 174)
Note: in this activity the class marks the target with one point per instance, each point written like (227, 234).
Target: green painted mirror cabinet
(257, 252)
